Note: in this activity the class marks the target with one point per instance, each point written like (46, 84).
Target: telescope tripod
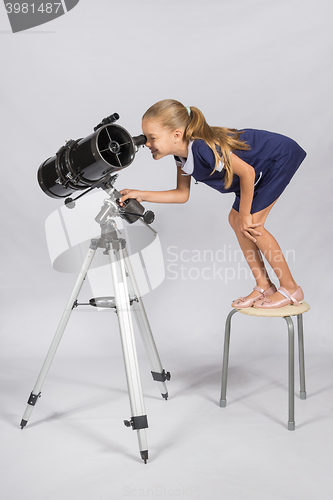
(126, 296)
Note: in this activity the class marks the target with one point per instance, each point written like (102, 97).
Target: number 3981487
(32, 8)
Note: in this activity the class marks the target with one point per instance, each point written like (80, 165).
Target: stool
(286, 313)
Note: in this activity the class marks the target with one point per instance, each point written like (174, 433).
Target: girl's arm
(179, 195)
(246, 174)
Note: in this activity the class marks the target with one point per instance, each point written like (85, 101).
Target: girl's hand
(247, 227)
(130, 193)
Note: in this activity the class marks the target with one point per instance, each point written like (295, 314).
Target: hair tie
(188, 110)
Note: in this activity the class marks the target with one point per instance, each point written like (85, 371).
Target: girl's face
(161, 141)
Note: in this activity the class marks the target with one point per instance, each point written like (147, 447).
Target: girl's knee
(233, 219)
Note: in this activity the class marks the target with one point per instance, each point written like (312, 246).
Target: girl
(254, 164)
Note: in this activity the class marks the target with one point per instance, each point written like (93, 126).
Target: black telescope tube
(84, 163)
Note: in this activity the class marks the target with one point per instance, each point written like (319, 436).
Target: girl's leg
(267, 246)
(271, 250)
(252, 256)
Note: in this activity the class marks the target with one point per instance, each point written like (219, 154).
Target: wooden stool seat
(290, 310)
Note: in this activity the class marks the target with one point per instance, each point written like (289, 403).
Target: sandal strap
(263, 293)
(285, 292)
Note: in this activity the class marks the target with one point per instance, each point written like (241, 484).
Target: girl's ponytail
(198, 128)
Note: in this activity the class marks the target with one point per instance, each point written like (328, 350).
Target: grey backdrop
(245, 63)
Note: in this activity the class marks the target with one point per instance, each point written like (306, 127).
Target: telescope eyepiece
(139, 140)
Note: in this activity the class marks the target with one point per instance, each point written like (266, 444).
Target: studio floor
(76, 446)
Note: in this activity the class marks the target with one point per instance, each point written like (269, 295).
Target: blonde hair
(221, 140)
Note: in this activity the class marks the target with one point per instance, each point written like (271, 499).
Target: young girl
(254, 164)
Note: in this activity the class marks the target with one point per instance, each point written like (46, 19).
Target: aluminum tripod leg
(139, 418)
(58, 335)
(157, 370)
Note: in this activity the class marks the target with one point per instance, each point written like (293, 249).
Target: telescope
(92, 162)
(83, 165)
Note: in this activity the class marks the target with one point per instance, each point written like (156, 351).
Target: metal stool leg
(223, 400)
(301, 355)
(291, 374)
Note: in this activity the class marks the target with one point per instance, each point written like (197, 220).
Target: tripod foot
(144, 455)
(23, 423)
(165, 396)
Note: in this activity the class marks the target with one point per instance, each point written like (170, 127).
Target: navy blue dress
(274, 157)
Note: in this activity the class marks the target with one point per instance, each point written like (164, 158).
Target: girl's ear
(178, 134)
